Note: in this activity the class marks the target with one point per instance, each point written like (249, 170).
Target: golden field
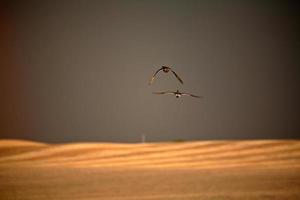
(254, 169)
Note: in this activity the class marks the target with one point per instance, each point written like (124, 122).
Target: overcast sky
(79, 70)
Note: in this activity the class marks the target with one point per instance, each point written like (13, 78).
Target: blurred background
(79, 70)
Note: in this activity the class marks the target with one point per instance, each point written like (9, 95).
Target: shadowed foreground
(262, 169)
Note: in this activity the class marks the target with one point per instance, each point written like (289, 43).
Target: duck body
(177, 94)
(166, 69)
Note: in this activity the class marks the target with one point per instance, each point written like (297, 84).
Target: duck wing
(153, 76)
(177, 76)
(192, 95)
(166, 92)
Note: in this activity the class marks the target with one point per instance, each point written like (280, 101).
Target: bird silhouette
(177, 94)
(165, 69)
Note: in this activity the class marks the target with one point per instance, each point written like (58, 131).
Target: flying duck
(165, 69)
(177, 94)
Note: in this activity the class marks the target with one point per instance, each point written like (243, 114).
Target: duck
(165, 69)
(177, 94)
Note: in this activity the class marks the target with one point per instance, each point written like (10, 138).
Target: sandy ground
(265, 169)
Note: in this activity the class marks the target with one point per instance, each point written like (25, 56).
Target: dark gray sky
(79, 70)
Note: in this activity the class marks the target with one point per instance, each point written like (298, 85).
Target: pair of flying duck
(177, 94)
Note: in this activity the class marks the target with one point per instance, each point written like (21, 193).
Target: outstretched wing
(188, 94)
(177, 76)
(166, 92)
(152, 78)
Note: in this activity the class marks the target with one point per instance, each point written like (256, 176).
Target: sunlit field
(258, 169)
